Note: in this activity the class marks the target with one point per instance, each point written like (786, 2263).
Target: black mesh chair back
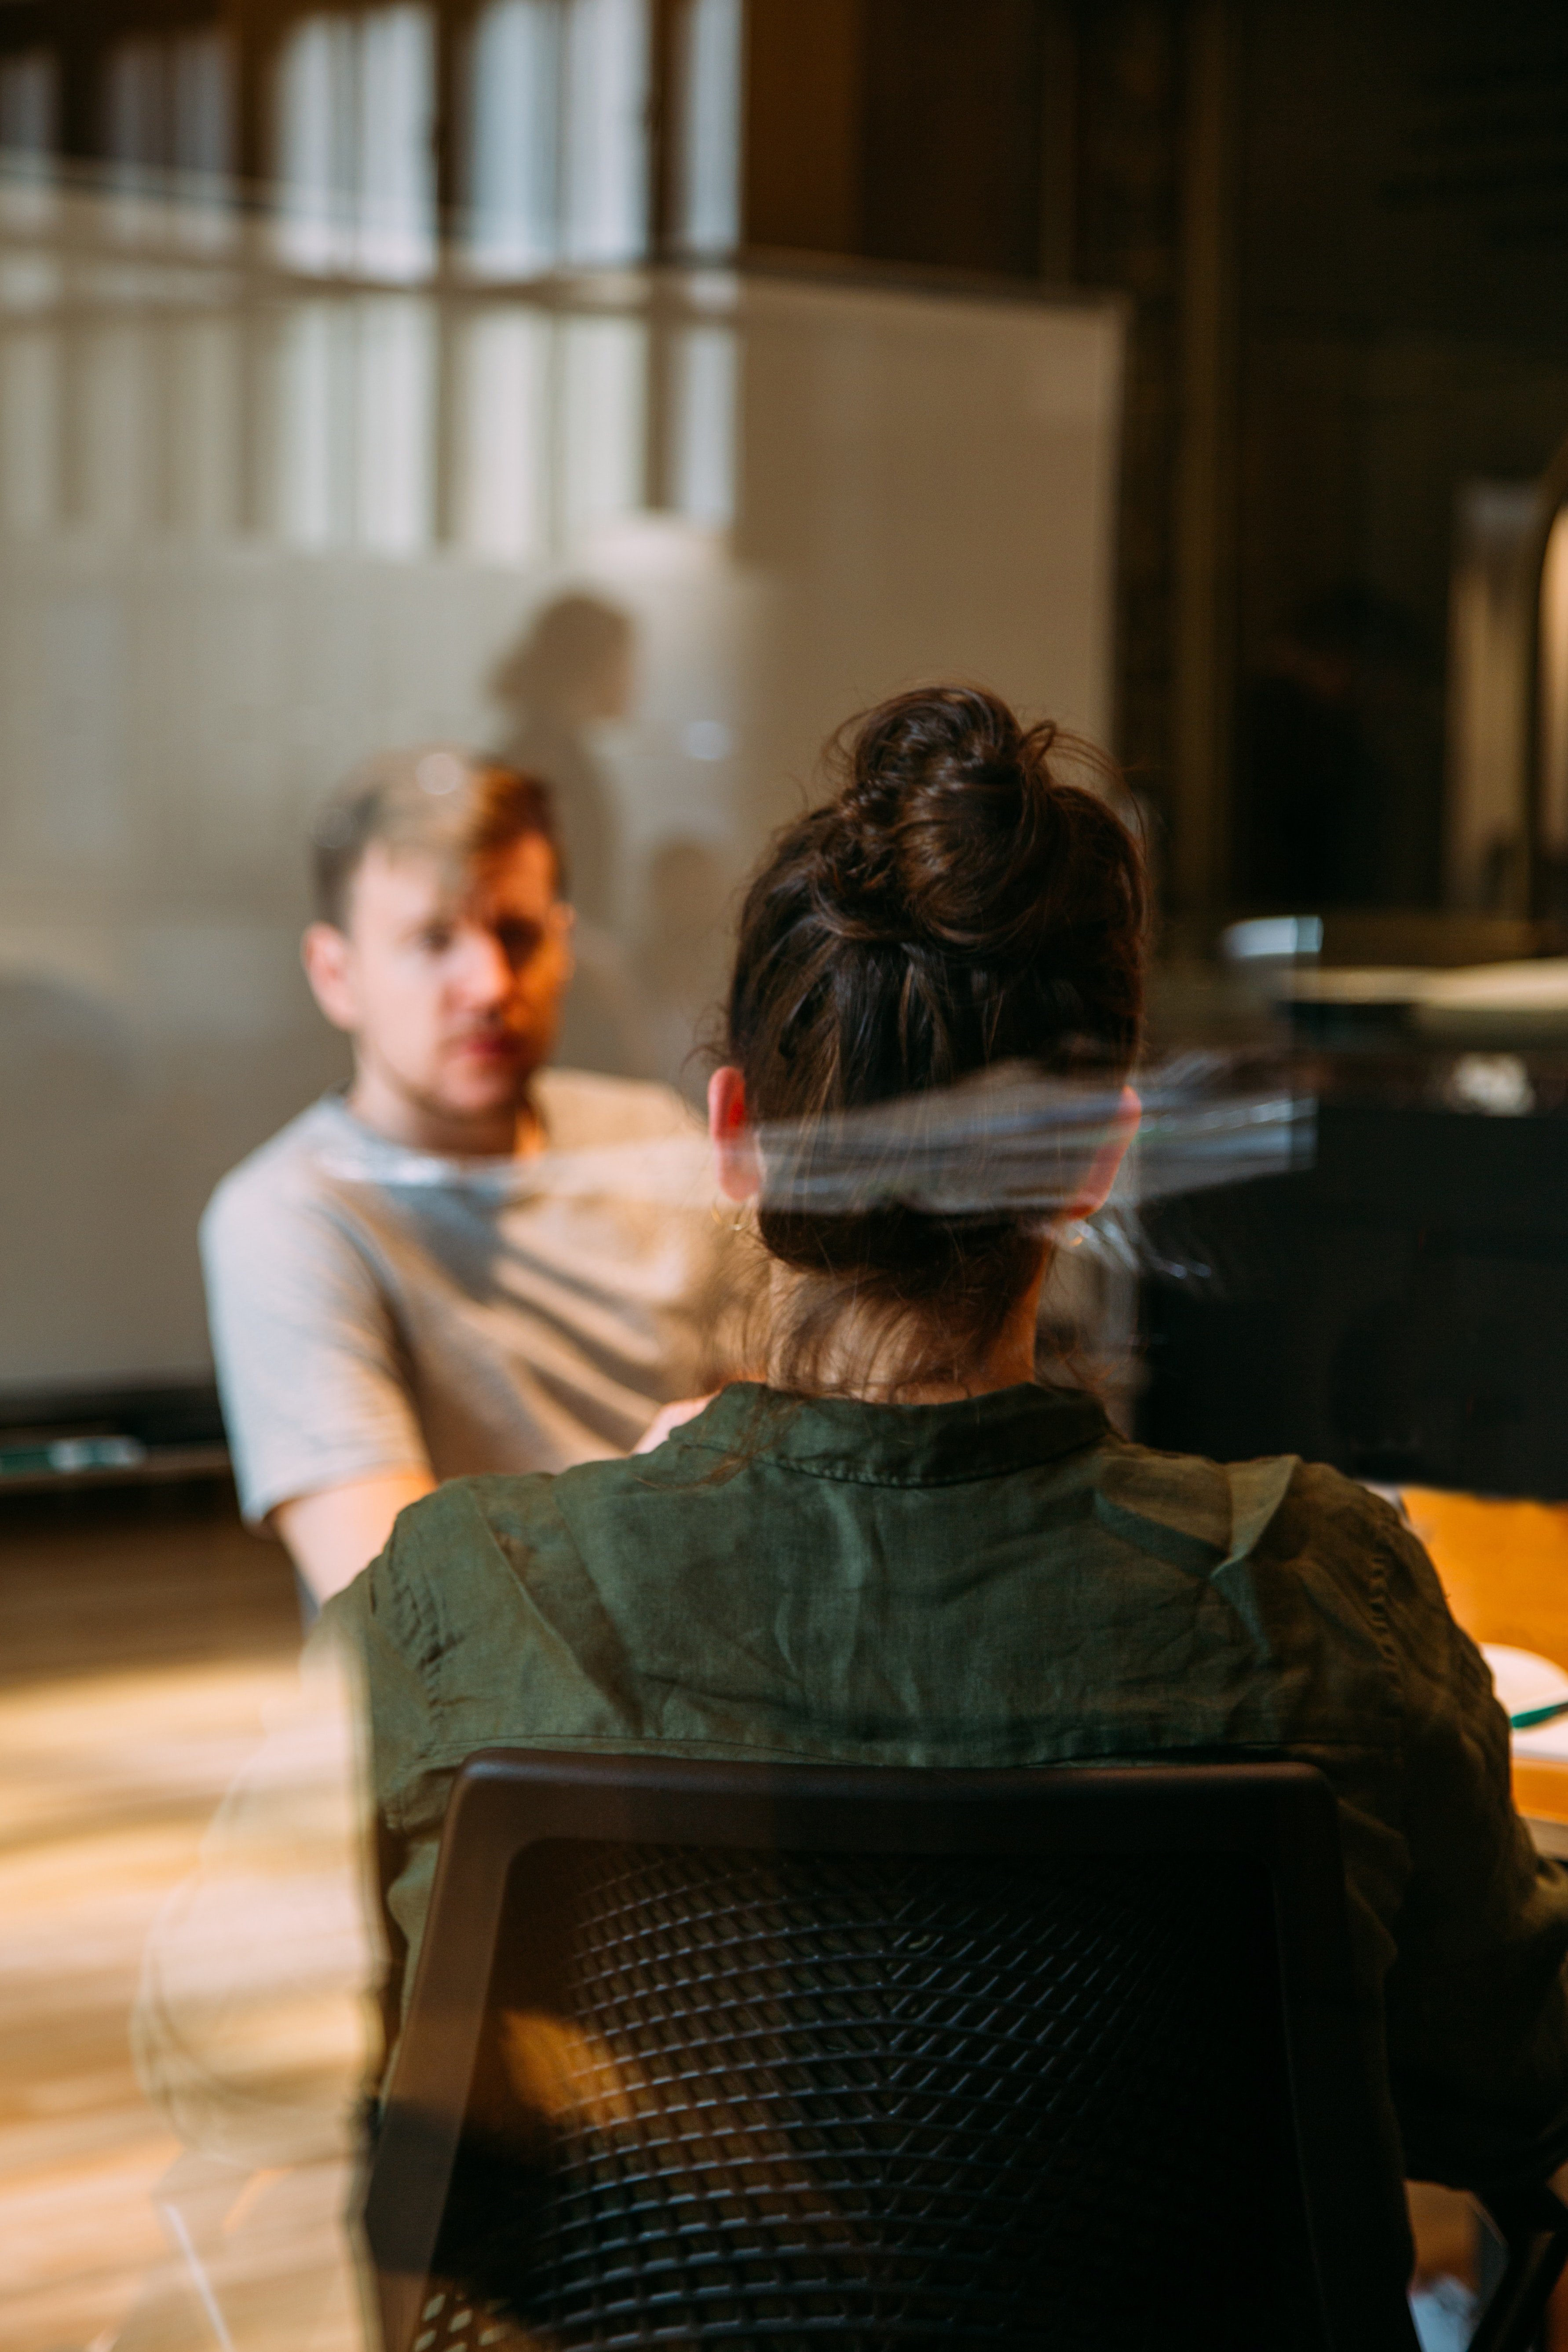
(733, 2054)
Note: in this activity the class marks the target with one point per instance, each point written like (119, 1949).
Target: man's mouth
(490, 1046)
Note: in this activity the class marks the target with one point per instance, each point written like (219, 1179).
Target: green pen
(1534, 1715)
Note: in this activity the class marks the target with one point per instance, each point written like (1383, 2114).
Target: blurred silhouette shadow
(571, 668)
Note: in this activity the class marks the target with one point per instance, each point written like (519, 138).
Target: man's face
(450, 987)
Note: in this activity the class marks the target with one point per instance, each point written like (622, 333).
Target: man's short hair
(459, 806)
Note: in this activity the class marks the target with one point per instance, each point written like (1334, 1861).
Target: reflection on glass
(356, 191)
(708, 150)
(202, 103)
(605, 131)
(115, 456)
(396, 197)
(504, 397)
(602, 451)
(514, 168)
(558, 135)
(314, 387)
(167, 110)
(254, 526)
(29, 107)
(355, 426)
(397, 393)
(574, 669)
(1486, 744)
(167, 104)
(137, 132)
(205, 416)
(704, 413)
(29, 131)
(1554, 711)
(29, 439)
(252, 529)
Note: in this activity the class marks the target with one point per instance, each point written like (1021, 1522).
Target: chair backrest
(742, 2053)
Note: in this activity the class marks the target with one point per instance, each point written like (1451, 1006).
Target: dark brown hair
(456, 805)
(956, 904)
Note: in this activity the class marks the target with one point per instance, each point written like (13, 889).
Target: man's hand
(332, 1535)
(671, 1417)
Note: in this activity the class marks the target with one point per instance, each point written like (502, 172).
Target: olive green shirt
(1003, 1581)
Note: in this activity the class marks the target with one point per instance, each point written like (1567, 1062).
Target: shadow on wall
(572, 669)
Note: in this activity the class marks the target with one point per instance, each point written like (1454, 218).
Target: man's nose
(484, 972)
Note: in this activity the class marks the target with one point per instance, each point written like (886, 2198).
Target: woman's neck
(861, 1358)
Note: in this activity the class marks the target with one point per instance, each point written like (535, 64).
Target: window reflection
(557, 134)
(502, 502)
(605, 112)
(1554, 707)
(323, 423)
(114, 458)
(355, 109)
(167, 109)
(253, 524)
(709, 35)
(515, 64)
(204, 411)
(604, 372)
(703, 412)
(314, 387)
(30, 132)
(396, 358)
(356, 424)
(30, 436)
(29, 104)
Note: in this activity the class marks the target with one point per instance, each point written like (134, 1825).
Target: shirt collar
(897, 1444)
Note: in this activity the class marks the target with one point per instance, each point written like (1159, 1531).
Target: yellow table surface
(1504, 1568)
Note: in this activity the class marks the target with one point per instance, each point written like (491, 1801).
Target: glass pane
(514, 168)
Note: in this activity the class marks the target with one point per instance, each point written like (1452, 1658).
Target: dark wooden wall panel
(953, 118)
(805, 87)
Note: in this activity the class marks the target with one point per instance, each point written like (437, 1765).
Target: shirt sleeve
(1477, 2006)
(314, 1392)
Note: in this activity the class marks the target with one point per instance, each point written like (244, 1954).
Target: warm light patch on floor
(140, 1646)
(110, 1780)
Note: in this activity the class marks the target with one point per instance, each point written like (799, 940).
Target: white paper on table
(1524, 1680)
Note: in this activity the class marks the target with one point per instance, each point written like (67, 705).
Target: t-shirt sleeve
(315, 1393)
(1476, 2004)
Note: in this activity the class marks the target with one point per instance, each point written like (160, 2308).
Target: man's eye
(520, 942)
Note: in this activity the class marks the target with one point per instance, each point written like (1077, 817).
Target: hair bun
(954, 822)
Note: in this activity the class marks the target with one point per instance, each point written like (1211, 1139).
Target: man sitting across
(467, 1262)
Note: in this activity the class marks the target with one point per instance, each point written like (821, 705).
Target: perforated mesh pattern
(901, 2102)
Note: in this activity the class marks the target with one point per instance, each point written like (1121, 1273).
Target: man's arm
(325, 1435)
(330, 1535)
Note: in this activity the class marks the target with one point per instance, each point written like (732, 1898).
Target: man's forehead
(409, 879)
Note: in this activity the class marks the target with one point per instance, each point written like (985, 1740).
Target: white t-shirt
(375, 1309)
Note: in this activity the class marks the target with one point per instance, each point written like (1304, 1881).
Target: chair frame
(1281, 1816)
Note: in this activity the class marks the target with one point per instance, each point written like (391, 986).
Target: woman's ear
(1108, 1160)
(734, 1146)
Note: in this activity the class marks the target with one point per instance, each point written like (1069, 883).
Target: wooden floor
(141, 1638)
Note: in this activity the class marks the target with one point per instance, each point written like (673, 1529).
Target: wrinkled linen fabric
(1002, 1581)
